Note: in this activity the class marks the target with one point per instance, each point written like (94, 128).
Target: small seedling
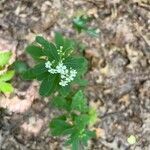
(80, 23)
(75, 120)
(5, 74)
(20, 67)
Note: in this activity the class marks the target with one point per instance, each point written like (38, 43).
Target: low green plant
(80, 23)
(56, 65)
(61, 73)
(74, 121)
(20, 67)
(5, 74)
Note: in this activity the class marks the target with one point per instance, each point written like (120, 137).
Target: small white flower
(48, 64)
(71, 78)
(60, 50)
(67, 75)
(66, 71)
(61, 68)
(73, 73)
(52, 71)
(68, 80)
(61, 47)
(63, 83)
(63, 76)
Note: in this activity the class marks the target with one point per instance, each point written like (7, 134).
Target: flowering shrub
(67, 75)
(5, 75)
(58, 68)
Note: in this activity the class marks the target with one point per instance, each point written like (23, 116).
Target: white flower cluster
(67, 75)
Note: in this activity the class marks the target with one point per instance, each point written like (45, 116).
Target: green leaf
(82, 121)
(42, 76)
(6, 87)
(61, 103)
(87, 135)
(49, 48)
(34, 72)
(35, 51)
(93, 116)
(73, 137)
(48, 85)
(64, 91)
(7, 76)
(80, 23)
(77, 63)
(4, 58)
(79, 102)
(75, 145)
(59, 126)
(80, 82)
(59, 40)
(68, 46)
(20, 66)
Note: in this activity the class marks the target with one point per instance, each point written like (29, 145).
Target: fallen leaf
(33, 127)
(18, 105)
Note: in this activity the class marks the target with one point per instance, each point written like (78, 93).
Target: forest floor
(118, 75)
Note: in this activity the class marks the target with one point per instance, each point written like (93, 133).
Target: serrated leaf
(61, 103)
(49, 48)
(79, 102)
(93, 116)
(64, 91)
(82, 121)
(87, 135)
(42, 76)
(77, 63)
(59, 126)
(4, 58)
(48, 85)
(35, 51)
(80, 23)
(68, 46)
(59, 41)
(73, 136)
(6, 87)
(35, 72)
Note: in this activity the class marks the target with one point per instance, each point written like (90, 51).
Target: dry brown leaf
(17, 105)
(100, 133)
(33, 127)
(133, 55)
(124, 34)
(91, 53)
(125, 99)
(93, 12)
(7, 44)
